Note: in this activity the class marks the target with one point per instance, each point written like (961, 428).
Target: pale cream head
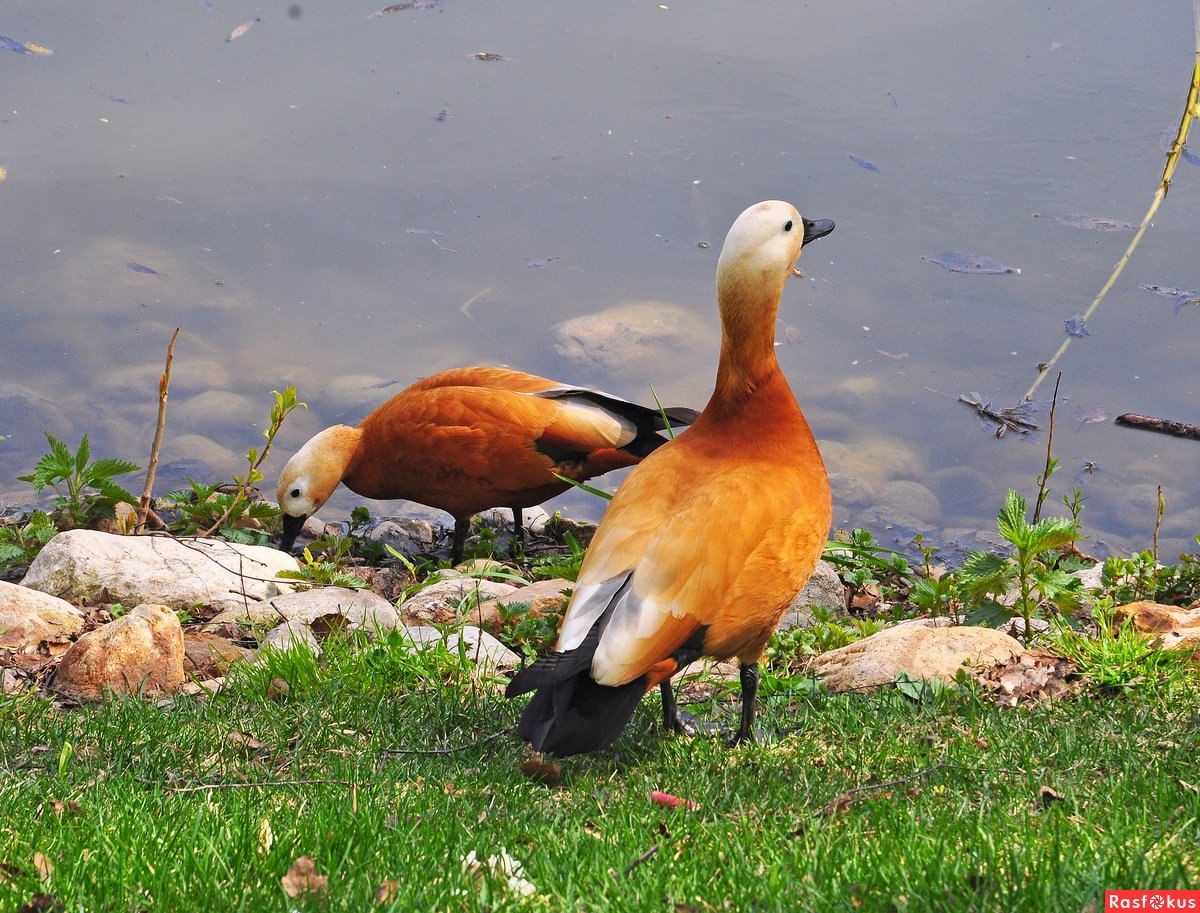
(313, 473)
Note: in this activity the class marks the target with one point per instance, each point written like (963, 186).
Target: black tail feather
(578, 715)
(571, 714)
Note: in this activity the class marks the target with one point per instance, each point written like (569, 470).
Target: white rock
(920, 650)
(484, 650)
(443, 602)
(28, 617)
(84, 565)
(291, 635)
(360, 609)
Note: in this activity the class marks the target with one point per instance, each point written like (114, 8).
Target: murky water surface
(347, 203)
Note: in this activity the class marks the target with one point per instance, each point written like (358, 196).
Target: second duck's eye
(787, 226)
(295, 492)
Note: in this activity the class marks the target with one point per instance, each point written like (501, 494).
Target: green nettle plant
(1031, 572)
(326, 571)
(86, 490)
(207, 510)
(19, 544)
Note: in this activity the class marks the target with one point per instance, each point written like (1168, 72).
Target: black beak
(291, 529)
(817, 228)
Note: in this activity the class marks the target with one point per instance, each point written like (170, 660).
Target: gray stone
(623, 338)
(359, 608)
(291, 635)
(443, 602)
(824, 590)
(89, 566)
(488, 654)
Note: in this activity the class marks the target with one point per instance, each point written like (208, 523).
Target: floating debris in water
(3, 173)
(1166, 140)
(23, 47)
(409, 5)
(138, 268)
(1077, 326)
(968, 263)
(1089, 223)
(242, 29)
(442, 116)
(1091, 416)
(863, 163)
(488, 56)
(539, 264)
(1181, 297)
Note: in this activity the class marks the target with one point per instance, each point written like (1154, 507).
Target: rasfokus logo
(1152, 900)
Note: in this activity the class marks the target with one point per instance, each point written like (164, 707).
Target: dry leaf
(43, 866)
(245, 742)
(540, 770)
(1048, 796)
(266, 836)
(302, 878)
(386, 892)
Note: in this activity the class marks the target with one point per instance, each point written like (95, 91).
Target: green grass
(141, 806)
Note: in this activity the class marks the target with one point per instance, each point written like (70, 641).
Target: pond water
(348, 202)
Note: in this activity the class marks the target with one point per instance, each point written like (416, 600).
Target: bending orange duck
(708, 541)
(469, 439)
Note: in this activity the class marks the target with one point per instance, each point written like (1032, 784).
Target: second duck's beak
(816, 228)
(291, 529)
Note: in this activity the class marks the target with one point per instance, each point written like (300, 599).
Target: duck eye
(295, 492)
(787, 226)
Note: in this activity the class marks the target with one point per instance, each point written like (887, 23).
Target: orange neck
(749, 306)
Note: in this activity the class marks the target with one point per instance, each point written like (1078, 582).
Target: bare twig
(453, 750)
(1161, 508)
(842, 802)
(642, 858)
(1191, 109)
(164, 382)
(255, 784)
(1044, 480)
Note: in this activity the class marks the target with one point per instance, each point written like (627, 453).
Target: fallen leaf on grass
(43, 866)
(42, 903)
(502, 866)
(1048, 796)
(266, 836)
(386, 892)
(302, 878)
(70, 807)
(245, 742)
(540, 770)
(660, 798)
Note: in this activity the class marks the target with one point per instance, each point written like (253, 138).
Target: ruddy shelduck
(707, 542)
(469, 439)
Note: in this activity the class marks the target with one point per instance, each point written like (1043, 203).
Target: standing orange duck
(708, 541)
(469, 439)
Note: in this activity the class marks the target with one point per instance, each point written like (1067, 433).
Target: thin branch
(1161, 425)
(257, 784)
(1191, 109)
(642, 858)
(164, 382)
(842, 802)
(1044, 480)
(455, 749)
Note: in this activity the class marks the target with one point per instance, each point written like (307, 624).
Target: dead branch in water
(1004, 419)
(1161, 425)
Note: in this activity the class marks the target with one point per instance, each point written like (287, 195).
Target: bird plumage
(707, 542)
(469, 439)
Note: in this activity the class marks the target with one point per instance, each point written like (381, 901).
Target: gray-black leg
(462, 526)
(670, 718)
(748, 674)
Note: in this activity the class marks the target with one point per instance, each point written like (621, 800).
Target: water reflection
(348, 204)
